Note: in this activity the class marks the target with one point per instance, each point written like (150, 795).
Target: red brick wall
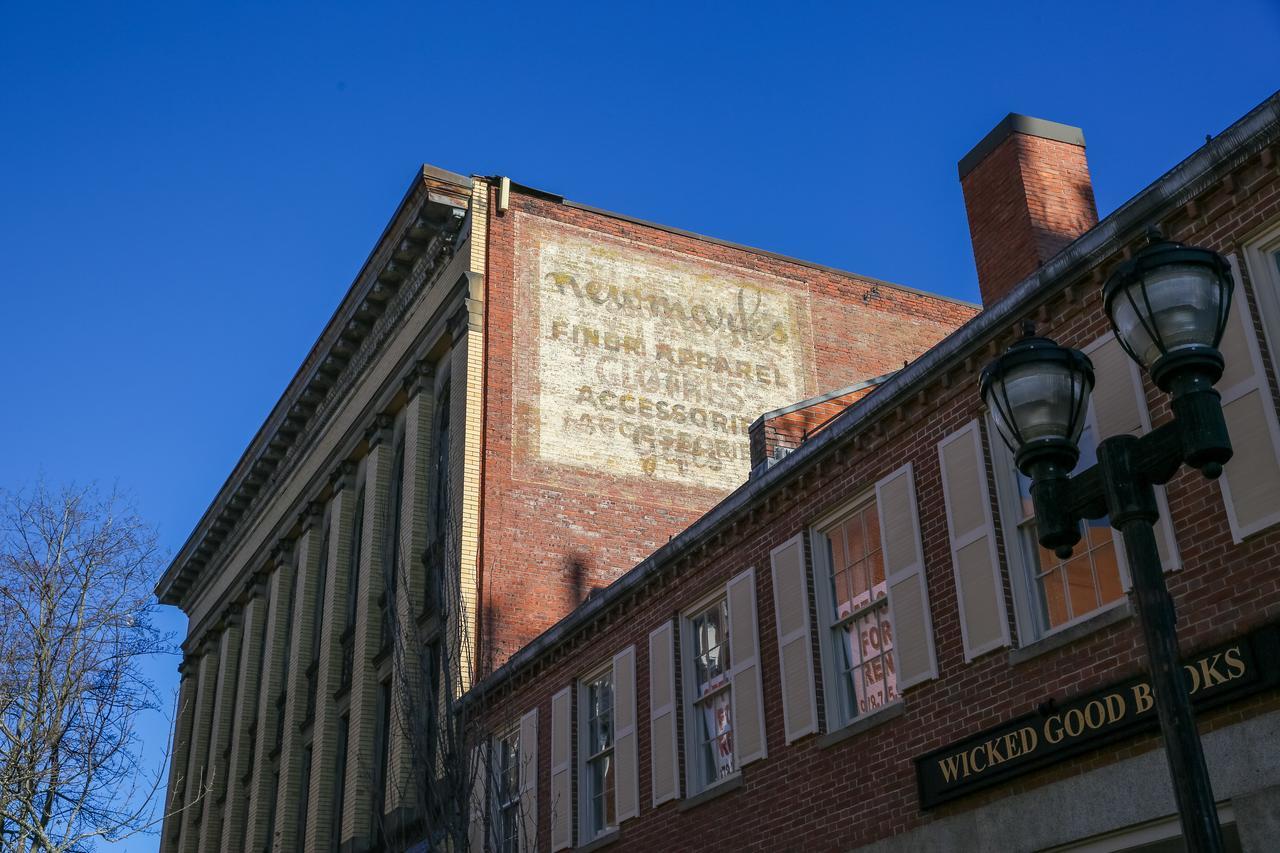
(551, 534)
(1025, 200)
(809, 797)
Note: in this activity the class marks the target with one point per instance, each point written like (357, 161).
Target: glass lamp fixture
(1168, 307)
(1038, 394)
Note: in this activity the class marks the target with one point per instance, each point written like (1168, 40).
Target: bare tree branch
(76, 570)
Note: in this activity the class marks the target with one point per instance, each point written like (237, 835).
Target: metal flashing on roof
(1018, 123)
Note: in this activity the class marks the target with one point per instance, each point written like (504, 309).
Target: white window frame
(498, 806)
(1262, 260)
(586, 833)
(1026, 601)
(694, 785)
(832, 679)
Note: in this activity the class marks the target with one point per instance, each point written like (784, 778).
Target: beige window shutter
(627, 786)
(479, 797)
(744, 666)
(561, 771)
(795, 647)
(664, 761)
(1251, 480)
(984, 620)
(1118, 407)
(529, 780)
(904, 572)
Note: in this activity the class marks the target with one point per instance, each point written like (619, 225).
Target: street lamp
(1168, 308)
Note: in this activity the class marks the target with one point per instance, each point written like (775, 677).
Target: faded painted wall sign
(649, 364)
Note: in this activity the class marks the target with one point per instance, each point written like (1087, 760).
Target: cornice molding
(374, 309)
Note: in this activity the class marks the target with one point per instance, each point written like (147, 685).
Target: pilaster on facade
(467, 401)
(294, 685)
(243, 737)
(413, 598)
(324, 749)
(263, 785)
(220, 735)
(176, 795)
(358, 825)
(197, 759)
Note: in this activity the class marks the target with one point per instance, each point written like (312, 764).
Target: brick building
(863, 647)
(518, 400)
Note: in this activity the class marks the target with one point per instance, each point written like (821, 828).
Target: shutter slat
(663, 749)
(627, 785)
(1251, 480)
(904, 571)
(561, 771)
(984, 621)
(795, 651)
(744, 653)
(529, 780)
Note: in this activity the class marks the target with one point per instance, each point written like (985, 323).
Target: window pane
(1081, 592)
(715, 738)
(1090, 578)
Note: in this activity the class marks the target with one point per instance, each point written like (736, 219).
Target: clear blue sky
(189, 189)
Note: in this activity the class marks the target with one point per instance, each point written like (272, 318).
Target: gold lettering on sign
(653, 366)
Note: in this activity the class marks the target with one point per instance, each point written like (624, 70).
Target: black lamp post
(1168, 308)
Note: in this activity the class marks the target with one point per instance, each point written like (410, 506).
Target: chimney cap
(1018, 123)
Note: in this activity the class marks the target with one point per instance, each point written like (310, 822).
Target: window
(383, 733)
(282, 699)
(711, 717)
(391, 549)
(597, 769)
(317, 621)
(431, 658)
(1057, 593)
(339, 785)
(353, 587)
(858, 633)
(1068, 590)
(305, 798)
(435, 557)
(506, 792)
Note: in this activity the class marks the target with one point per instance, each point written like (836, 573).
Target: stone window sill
(1118, 612)
(599, 841)
(862, 724)
(719, 789)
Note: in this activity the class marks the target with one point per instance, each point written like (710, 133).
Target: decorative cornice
(399, 269)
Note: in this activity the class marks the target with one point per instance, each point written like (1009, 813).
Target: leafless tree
(76, 571)
(435, 660)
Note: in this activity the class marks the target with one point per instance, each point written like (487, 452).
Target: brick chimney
(1027, 194)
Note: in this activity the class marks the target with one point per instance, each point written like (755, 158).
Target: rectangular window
(305, 795)
(506, 792)
(383, 756)
(596, 770)
(858, 632)
(339, 785)
(710, 718)
(317, 621)
(1063, 592)
(353, 588)
(440, 518)
(391, 549)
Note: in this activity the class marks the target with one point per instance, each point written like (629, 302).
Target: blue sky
(188, 189)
